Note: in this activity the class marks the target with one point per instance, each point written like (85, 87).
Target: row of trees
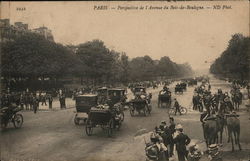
(31, 56)
(234, 62)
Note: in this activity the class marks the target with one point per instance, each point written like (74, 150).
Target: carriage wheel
(110, 127)
(89, 128)
(183, 110)
(18, 120)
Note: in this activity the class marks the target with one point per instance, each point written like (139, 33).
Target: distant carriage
(192, 82)
(139, 89)
(178, 89)
(141, 106)
(102, 94)
(117, 95)
(164, 99)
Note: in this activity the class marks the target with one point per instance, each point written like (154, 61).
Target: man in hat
(165, 135)
(172, 131)
(156, 150)
(181, 141)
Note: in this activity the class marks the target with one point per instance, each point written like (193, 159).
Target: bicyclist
(177, 106)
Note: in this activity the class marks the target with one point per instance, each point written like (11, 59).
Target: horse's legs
(238, 139)
(229, 135)
(216, 138)
(221, 136)
(235, 138)
(232, 141)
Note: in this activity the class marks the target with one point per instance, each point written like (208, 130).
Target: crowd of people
(163, 140)
(28, 100)
(219, 102)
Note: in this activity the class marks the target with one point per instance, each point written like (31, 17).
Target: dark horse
(233, 126)
(236, 99)
(211, 129)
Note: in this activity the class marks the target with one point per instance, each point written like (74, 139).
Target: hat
(179, 126)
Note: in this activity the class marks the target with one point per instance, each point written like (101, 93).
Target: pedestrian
(35, 104)
(172, 131)
(50, 99)
(64, 101)
(43, 99)
(26, 101)
(177, 106)
(61, 101)
(21, 101)
(181, 140)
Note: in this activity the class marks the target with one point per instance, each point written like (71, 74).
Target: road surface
(52, 135)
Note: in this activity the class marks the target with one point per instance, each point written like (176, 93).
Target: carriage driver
(165, 90)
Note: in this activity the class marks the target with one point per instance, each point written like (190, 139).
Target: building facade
(44, 31)
(8, 32)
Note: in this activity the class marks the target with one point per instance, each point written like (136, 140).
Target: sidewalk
(56, 105)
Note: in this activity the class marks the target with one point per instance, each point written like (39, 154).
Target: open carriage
(106, 118)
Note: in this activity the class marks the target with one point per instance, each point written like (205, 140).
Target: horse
(236, 99)
(233, 126)
(210, 131)
(212, 128)
(221, 122)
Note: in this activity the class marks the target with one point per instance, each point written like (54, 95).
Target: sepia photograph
(125, 81)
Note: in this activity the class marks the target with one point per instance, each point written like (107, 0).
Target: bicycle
(182, 109)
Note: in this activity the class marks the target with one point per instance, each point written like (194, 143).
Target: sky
(183, 35)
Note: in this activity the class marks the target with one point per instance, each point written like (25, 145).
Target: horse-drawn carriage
(102, 94)
(164, 98)
(83, 105)
(141, 106)
(105, 117)
(139, 89)
(192, 82)
(117, 95)
(180, 87)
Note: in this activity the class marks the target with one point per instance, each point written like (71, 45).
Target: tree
(31, 55)
(234, 61)
(98, 58)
